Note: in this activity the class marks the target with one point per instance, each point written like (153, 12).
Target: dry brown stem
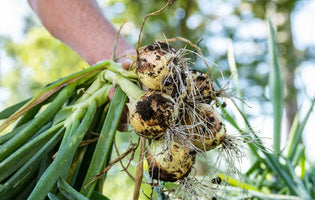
(112, 163)
(169, 2)
(122, 164)
(87, 142)
(139, 170)
(116, 40)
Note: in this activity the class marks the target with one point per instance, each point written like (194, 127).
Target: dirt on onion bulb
(152, 114)
(152, 64)
(205, 127)
(199, 87)
(169, 162)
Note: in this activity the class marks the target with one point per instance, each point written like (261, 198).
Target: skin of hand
(82, 26)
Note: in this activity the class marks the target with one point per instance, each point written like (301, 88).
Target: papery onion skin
(211, 136)
(152, 114)
(169, 163)
(199, 87)
(152, 64)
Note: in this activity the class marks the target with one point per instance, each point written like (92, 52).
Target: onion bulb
(152, 114)
(199, 87)
(152, 64)
(205, 127)
(169, 162)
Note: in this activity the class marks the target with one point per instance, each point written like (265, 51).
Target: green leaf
(233, 69)
(26, 191)
(12, 109)
(52, 196)
(65, 154)
(98, 196)
(28, 172)
(73, 79)
(102, 150)
(300, 150)
(297, 136)
(11, 134)
(270, 160)
(67, 190)
(30, 114)
(300, 188)
(23, 154)
(45, 116)
(276, 90)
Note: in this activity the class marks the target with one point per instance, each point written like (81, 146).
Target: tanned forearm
(81, 25)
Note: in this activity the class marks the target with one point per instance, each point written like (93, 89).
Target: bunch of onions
(164, 71)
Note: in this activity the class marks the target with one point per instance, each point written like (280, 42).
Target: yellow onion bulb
(152, 114)
(198, 87)
(209, 131)
(152, 64)
(169, 162)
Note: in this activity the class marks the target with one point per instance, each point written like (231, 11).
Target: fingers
(111, 93)
(126, 63)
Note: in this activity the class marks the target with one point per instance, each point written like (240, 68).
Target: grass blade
(105, 140)
(271, 160)
(300, 150)
(298, 134)
(233, 69)
(276, 90)
(98, 196)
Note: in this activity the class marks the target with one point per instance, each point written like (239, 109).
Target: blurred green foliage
(38, 60)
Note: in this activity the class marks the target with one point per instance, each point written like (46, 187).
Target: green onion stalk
(76, 118)
(59, 116)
